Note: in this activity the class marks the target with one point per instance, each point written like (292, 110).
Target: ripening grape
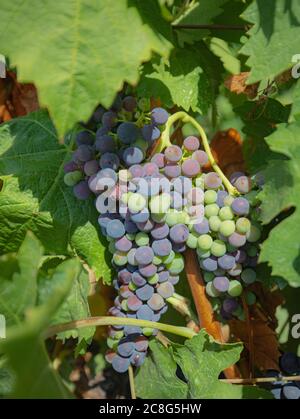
(159, 116)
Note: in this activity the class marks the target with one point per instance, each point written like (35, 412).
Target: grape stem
(185, 118)
(121, 321)
(131, 382)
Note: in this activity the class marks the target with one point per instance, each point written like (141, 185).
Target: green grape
(132, 286)
(243, 225)
(157, 260)
(250, 298)
(252, 251)
(130, 236)
(192, 241)
(160, 204)
(235, 288)
(200, 181)
(72, 178)
(124, 305)
(136, 202)
(120, 258)
(211, 209)
(141, 239)
(230, 248)
(169, 258)
(153, 279)
(147, 331)
(208, 276)
(211, 291)
(159, 218)
(228, 200)
(124, 176)
(210, 196)
(226, 213)
(227, 227)
(112, 247)
(177, 265)
(214, 223)
(248, 276)
(183, 218)
(253, 234)
(218, 248)
(204, 242)
(172, 217)
(203, 254)
(112, 343)
(125, 197)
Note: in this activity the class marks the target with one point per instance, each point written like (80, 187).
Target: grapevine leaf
(222, 50)
(75, 306)
(273, 39)
(78, 54)
(280, 193)
(201, 361)
(189, 79)
(157, 378)
(18, 280)
(34, 195)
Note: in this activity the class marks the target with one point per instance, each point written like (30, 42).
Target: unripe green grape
(252, 251)
(200, 181)
(192, 241)
(120, 258)
(214, 223)
(72, 178)
(169, 258)
(147, 331)
(208, 276)
(112, 343)
(124, 305)
(153, 279)
(204, 242)
(160, 204)
(210, 196)
(250, 298)
(243, 225)
(157, 260)
(124, 175)
(230, 248)
(112, 247)
(226, 213)
(136, 202)
(211, 291)
(248, 276)
(218, 248)
(141, 239)
(172, 217)
(159, 218)
(211, 209)
(228, 200)
(235, 288)
(177, 265)
(130, 236)
(227, 227)
(236, 270)
(203, 254)
(132, 286)
(253, 234)
(125, 197)
(183, 217)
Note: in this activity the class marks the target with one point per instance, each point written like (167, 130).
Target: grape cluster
(289, 365)
(152, 207)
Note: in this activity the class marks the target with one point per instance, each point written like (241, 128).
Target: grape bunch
(152, 207)
(289, 365)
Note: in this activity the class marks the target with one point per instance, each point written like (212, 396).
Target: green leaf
(281, 192)
(18, 280)
(157, 378)
(221, 49)
(189, 79)
(35, 197)
(201, 361)
(273, 39)
(75, 306)
(77, 53)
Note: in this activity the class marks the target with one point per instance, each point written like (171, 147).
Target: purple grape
(71, 166)
(177, 201)
(237, 240)
(150, 133)
(82, 190)
(125, 347)
(124, 276)
(105, 143)
(91, 167)
(134, 302)
(83, 153)
(191, 143)
(129, 103)
(145, 226)
(132, 155)
(145, 293)
(174, 279)
(145, 313)
(182, 185)
(138, 358)
(156, 302)
(109, 119)
(190, 168)
(138, 279)
(221, 283)
(179, 233)
(84, 138)
(120, 364)
(159, 116)
(172, 170)
(125, 292)
(127, 132)
(221, 195)
(162, 247)
(243, 184)
(235, 175)
(230, 305)
(159, 160)
(123, 244)
(141, 217)
(137, 171)
(115, 229)
(209, 264)
(130, 227)
(148, 270)
(240, 206)
(212, 180)
(173, 153)
(201, 157)
(290, 363)
(201, 228)
(144, 255)
(166, 289)
(151, 169)
(163, 276)
(240, 256)
(132, 330)
(160, 231)
(291, 391)
(226, 262)
(109, 161)
(109, 356)
(141, 344)
(179, 247)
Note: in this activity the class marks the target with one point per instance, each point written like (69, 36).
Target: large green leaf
(201, 361)
(78, 52)
(34, 195)
(273, 39)
(281, 192)
(189, 79)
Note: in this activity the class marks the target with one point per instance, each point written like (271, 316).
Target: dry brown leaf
(24, 98)
(237, 84)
